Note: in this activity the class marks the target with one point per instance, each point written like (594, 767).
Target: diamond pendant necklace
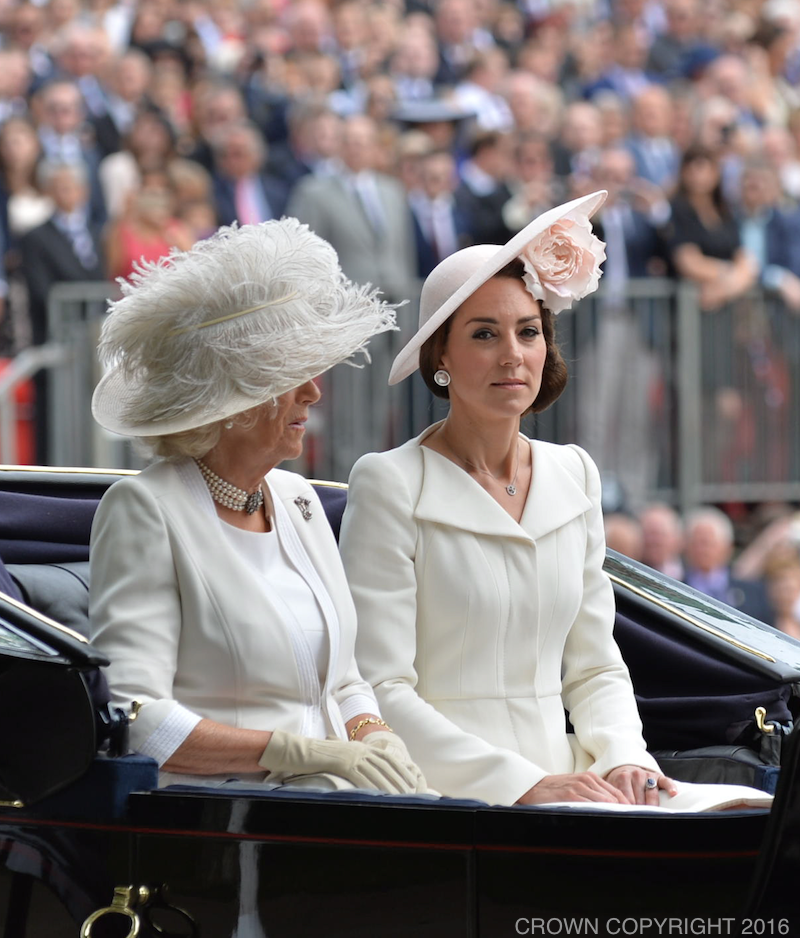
(511, 488)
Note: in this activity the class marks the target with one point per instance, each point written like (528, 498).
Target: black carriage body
(352, 864)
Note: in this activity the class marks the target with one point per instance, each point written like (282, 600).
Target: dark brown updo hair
(554, 374)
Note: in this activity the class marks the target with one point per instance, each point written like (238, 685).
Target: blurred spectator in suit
(412, 148)
(628, 221)
(534, 185)
(66, 137)
(351, 39)
(730, 77)
(415, 64)
(243, 192)
(82, 56)
(148, 229)
(577, 148)
(623, 534)
(461, 37)
(126, 96)
(647, 16)
(439, 229)
(313, 145)
(769, 227)
(66, 248)
(662, 539)
(655, 153)
(770, 232)
(619, 366)
(679, 50)
(480, 91)
(780, 148)
(535, 104)
(364, 214)
(27, 31)
(308, 25)
(483, 190)
(267, 101)
(614, 116)
(216, 105)
(15, 81)
(707, 555)
(625, 75)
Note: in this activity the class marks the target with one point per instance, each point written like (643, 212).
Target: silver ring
(650, 784)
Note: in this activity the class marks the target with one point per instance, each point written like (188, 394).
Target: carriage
(87, 837)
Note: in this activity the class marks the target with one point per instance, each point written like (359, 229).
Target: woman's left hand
(631, 780)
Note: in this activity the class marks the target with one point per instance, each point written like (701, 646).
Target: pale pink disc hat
(562, 262)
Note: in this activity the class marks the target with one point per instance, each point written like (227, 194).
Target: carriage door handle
(148, 900)
(125, 897)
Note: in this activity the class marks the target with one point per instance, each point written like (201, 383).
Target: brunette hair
(554, 374)
(694, 154)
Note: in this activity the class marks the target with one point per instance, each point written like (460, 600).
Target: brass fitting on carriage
(137, 903)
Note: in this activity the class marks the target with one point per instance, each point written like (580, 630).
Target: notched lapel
(558, 492)
(451, 496)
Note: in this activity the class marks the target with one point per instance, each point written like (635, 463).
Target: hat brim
(433, 111)
(407, 360)
(115, 391)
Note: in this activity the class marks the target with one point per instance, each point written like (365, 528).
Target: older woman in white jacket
(475, 555)
(217, 590)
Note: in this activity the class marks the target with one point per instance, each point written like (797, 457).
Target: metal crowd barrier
(673, 403)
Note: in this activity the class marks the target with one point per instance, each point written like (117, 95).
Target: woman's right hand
(394, 747)
(365, 766)
(576, 786)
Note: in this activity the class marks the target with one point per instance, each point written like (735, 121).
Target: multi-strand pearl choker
(229, 495)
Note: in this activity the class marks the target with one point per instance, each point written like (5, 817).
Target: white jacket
(183, 617)
(477, 632)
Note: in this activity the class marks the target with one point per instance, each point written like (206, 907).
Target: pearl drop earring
(228, 425)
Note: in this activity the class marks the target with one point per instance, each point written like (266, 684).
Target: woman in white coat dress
(475, 555)
(217, 590)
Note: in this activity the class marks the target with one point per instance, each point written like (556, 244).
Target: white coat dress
(184, 618)
(477, 632)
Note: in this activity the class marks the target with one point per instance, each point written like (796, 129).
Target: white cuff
(169, 734)
(358, 703)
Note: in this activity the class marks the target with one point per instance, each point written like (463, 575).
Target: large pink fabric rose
(562, 264)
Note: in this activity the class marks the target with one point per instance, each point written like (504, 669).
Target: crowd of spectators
(762, 580)
(400, 130)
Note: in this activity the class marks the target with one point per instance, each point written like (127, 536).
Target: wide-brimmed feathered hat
(562, 263)
(242, 317)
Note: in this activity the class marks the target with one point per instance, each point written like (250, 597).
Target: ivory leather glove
(393, 746)
(361, 765)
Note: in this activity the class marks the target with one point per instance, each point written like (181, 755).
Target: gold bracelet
(367, 722)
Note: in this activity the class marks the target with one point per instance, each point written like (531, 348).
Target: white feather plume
(261, 354)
